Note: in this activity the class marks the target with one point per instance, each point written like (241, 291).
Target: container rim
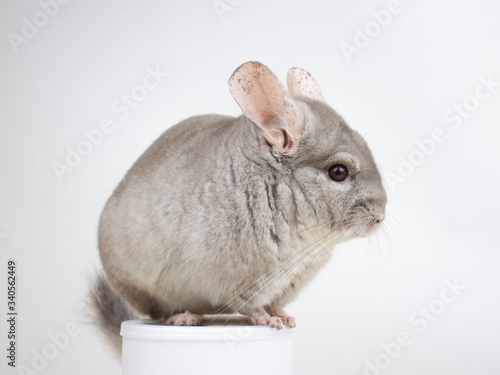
(144, 329)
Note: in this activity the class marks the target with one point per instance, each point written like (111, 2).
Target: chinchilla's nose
(379, 217)
(379, 203)
(375, 220)
(377, 211)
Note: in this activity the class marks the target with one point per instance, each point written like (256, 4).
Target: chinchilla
(236, 215)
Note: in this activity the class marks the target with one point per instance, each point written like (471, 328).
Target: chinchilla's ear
(267, 104)
(301, 82)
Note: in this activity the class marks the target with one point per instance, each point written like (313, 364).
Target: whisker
(286, 272)
(268, 275)
(292, 233)
(328, 244)
(374, 126)
(256, 253)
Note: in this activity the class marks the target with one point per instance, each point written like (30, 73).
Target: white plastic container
(221, 346)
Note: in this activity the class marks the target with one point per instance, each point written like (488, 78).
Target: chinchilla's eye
(338, 172)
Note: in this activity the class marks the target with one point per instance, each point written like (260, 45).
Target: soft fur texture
(109, 311)
(228, 215)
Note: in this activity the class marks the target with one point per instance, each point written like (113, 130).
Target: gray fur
(109, 311)
(210, 212)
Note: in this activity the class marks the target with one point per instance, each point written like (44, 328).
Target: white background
(444, 218)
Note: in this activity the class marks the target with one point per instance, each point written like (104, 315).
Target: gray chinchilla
(236, 215)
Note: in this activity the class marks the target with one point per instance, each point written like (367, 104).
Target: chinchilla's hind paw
(184, 319)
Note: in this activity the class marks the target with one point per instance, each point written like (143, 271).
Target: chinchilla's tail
(109, 310)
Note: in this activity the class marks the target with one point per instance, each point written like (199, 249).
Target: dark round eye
(338, 172)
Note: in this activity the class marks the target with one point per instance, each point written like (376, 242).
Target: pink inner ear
(265, 102)
(268, 106)
(277, 138)
(301, 82)
(257, 92)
